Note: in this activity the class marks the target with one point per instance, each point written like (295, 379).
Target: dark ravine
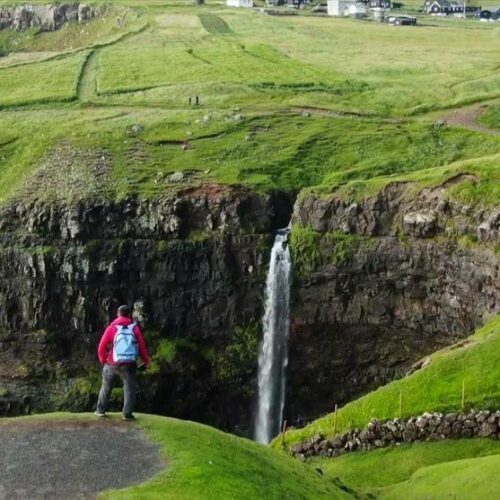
(197, 260)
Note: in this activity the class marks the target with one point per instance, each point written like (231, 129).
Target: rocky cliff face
(48, 17)
(379, 284)
(195, 261)
(397, 277)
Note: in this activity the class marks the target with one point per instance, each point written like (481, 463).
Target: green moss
(23, 370)
(311, 249)
(305, 247)
(236, 363)
(81, 392)
(468, 241)
(344, 246)
(4, 392)
(198, 235)
(116, 396)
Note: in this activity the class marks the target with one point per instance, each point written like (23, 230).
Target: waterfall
(273, 357)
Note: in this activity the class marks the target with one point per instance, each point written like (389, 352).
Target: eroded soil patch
(66, 459)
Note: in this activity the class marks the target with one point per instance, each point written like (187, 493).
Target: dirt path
(468, 117)
(87, 84)
(342, 114)
(70, 459)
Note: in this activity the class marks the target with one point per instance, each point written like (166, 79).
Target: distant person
(119, 348)
(197, 100)
(190, 101)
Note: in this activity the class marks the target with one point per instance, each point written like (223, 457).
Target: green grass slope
(203, 462)
(207, 463)
(437, 387)
(276, 99)
(469, 479)
(386, 467)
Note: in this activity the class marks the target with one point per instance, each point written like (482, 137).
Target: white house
(240, 3)
(346, 8)
(357, 10)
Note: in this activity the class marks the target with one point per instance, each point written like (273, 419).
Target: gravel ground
(73, 459)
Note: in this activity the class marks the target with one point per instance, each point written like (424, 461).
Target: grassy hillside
(467, 479)
(206, 463)
(384, 468)
(286, 150)
(276, 100)
(437, 387)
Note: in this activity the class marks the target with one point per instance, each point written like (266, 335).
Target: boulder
(422, 224)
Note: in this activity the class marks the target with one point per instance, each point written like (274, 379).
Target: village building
(379, 4)
(240, 3)
(447, 8)
(346, 8)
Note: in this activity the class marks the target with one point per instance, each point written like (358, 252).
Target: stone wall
(49, 17)
(427, 427)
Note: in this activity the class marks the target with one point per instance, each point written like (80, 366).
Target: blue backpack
(125, 349)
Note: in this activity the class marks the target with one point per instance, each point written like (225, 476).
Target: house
(240, 3)
(379, 4)
(346, 8)
(298, 4)
(444, 7)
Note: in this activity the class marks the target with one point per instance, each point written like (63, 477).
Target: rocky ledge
(50, 17)
(426, 427)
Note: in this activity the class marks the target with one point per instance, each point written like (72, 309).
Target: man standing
(120, 345)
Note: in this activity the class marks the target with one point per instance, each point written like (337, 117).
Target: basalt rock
(195, 261)
(415, 279)
(49, 17)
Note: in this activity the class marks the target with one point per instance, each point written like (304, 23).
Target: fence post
(335, 421)
(463, 394)
(283, 434)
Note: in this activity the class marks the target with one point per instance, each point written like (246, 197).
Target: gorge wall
(196, 261)
(395, 277)
(378, 284)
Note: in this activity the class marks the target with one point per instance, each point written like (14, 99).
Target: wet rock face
(359, 325)
(362, 322)
(197, 262)
(50, 17)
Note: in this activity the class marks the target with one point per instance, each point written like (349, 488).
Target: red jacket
(105, 349)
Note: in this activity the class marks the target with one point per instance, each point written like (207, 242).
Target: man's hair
(123, 311)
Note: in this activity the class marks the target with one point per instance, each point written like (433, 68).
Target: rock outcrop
(395, 279)
(196, 260)
(49, 17)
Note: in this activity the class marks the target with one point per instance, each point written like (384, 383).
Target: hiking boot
(98, 413)
(128, 416)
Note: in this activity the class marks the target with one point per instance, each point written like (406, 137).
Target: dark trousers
(128, 375)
